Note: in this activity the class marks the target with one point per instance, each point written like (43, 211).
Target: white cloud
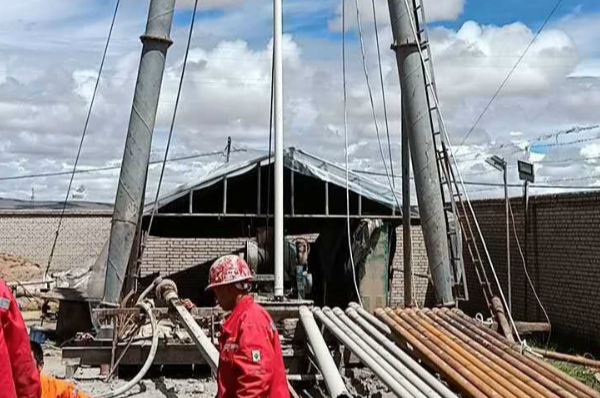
(46, 82)
(436, 10)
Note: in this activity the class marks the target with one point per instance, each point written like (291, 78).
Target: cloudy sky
(51, 50)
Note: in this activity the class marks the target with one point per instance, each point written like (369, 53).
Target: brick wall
(30, 234)
(83, 234)
(167, 256)
(421, 287)
(562, 248)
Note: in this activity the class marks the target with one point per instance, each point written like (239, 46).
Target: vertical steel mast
(134, 169)
(417, 117)
(278, 114)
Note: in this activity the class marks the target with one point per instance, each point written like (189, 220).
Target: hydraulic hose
(147, 308)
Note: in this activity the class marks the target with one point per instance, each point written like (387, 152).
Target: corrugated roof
(300, 162)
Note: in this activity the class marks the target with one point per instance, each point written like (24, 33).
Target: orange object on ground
(54, 388)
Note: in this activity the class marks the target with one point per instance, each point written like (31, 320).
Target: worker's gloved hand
(188, 304)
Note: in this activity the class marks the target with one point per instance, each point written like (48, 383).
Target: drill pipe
(381, 359)
(331, 375)
(449, 368)
(364, 356)
(401, 355)
(502, 386)
(532, 387)
(383, 328)
(573, 386)
(411, 377)
(506, 353)
(559, 356)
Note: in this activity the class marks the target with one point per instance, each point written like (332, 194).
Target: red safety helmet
(227, 270)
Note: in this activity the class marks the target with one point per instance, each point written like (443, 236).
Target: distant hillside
(17, 204)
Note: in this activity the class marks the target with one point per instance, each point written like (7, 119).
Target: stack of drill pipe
(333, 381)
(395, 370)
(478, 361)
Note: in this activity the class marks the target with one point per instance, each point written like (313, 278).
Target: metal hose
(147, 308)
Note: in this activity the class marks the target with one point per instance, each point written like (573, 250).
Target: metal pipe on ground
(375, 353)
(564, 381)
(501, 318)
(364, 357)
(568, 358)
(333, 381)
(408, 374)
(451, 370)
(531, 387)
(372, 319)
(483, 373)
(505, 352)
(401, 355)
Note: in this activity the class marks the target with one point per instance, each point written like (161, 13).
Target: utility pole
(228, 148)
(422, 147)
(278, 114)
(406, 232)
(134, 169)
(507, 238)
(500, 164)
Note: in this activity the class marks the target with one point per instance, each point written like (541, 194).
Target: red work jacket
(19, 377)
(250, 361)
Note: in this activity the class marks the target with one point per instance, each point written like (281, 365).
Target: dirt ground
(360, 382)
(90, 381)
(13, 268)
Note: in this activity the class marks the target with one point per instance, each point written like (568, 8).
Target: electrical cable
(372, 102)
(270, 146)
(391, 180)
(533, 142)
(447, 138)
(509, 74)
(83, 134)
(346, 152)
(108, 168)
(527, 273)
(385, 115)
(174, 117)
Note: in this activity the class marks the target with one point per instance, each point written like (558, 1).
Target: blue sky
(488, 12)
(531, 12)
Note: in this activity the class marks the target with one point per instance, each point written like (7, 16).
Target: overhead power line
(83, 134)
(485, 109)
(547, 183)
(174, 117)
(107, 168)
(539, 138)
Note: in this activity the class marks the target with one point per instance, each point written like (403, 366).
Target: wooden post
(258, 191)
(225, 195)
(326, 198)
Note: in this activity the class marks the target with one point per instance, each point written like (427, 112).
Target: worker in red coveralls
(250, 361)
(19, 377)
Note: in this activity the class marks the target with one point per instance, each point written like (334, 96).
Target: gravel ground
(157, 387)
(90, 381)
(360, 382)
